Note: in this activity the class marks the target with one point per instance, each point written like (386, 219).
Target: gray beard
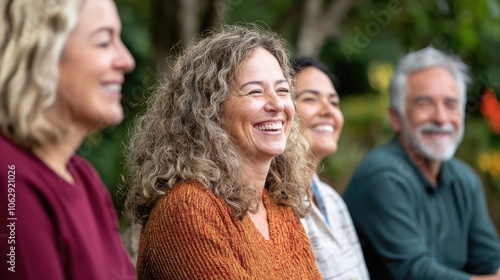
(426, 151)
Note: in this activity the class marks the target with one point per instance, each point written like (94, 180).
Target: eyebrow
(103, 29)
(331, 94)
(429, 98)
(260, 83)
(422, 98)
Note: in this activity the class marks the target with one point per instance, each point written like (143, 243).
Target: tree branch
(288, 15)
(214, 15)
(316, 25)
(335, 14)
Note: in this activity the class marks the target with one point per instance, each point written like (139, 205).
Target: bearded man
(419, 212)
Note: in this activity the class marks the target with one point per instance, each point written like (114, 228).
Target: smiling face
(259, 112)
(318, 105)
(92, 68)
(433, 120)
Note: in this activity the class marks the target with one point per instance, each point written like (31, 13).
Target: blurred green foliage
(376, 30)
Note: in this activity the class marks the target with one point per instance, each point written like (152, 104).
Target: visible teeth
(113, 87)
(274, 126)
(324, 128)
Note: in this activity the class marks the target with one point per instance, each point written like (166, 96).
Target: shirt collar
(445, 176)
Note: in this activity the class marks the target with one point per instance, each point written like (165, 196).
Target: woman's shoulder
(83, 167)
(189, 207)
(14, 155)
(190, 197)
(23, 168)
(191, 191)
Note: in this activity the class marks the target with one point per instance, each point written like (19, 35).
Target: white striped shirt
(336, 246)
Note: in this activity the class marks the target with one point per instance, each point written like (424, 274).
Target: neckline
(29, 153)
(71, 162)
(265, 203)
(443, 178)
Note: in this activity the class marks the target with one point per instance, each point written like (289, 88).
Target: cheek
(416, 118)
(339, 118)
(69, 95)
(228, 110)
(65, 87)
(289, 108)
(306, 111)
(235, 114)
(458, 119)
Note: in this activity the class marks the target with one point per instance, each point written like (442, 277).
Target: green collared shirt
(410, 229)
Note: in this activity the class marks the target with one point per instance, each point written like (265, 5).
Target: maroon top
(51, 229)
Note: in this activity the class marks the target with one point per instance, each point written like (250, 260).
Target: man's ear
(395, 120)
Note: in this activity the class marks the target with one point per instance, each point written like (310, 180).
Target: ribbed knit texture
(193, 234)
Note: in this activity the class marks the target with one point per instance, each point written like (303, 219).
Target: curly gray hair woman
(218, 167)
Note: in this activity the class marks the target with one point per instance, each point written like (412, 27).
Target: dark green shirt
(409, 229)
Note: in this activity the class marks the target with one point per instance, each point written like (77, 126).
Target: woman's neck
(57, 155)
(256, 174)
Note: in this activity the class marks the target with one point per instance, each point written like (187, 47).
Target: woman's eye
(103, 40)
(104, 44)
(255, 92)
(307, 99)
(335, 103)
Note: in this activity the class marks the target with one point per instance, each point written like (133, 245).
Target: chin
(333, 149)
(116, 120)
(116, 115)
(275, 152)
(327, 150)
(111, 120)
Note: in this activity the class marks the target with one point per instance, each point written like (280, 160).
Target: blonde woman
(62, 67)
(218, 171)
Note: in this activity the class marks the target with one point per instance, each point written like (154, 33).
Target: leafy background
(360, 40)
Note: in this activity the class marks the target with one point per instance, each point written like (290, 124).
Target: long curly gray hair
(180, 137)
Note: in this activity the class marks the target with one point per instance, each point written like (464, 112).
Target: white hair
(424, 59)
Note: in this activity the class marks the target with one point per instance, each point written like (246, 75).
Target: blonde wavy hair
(181, 136)
(33, 34)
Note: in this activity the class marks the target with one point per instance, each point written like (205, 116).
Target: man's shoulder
(457, 165)
(382, 171)
(384, 157)
(463, 172)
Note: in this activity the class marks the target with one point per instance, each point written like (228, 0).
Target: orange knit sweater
(193, 234)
